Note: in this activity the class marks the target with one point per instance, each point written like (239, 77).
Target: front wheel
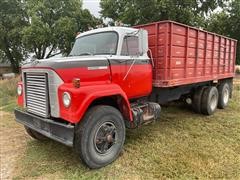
(100, 136)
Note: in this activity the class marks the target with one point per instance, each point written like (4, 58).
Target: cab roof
(118, 29)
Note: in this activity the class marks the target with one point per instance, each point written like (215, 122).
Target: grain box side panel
(185, 55)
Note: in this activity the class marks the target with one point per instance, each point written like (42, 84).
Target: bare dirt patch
(12, 144)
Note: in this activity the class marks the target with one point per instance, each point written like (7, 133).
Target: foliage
(12, 20)
(227, 23)
(2, 56)
(40, 27)
(191, 12)
(53, 25)
(219, 23)
(198, 13)
(234, 11)
(8, 94)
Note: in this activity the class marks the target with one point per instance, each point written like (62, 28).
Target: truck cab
(105, 79)
(126, 60)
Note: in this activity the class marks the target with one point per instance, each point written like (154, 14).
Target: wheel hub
(109, 138)
(105, 137)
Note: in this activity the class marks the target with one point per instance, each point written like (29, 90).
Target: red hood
(91, 69)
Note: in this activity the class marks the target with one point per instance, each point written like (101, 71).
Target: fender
(83, 97)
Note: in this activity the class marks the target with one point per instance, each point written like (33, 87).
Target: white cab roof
(118, 29)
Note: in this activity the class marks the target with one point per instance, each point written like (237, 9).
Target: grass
(8, 94)
(181, 145)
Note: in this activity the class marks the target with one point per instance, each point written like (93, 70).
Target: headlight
(66, 98)
(19, 90)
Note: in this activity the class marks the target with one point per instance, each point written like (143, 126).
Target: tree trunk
(14, 63)
(49, 53)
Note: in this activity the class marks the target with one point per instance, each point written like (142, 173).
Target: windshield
(99, 43)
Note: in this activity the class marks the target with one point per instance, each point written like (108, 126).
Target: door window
(130, 46)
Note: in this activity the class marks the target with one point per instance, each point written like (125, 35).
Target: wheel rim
(213, 102)
(105, 137)
(225, 96)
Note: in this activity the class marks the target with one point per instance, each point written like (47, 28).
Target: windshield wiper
(86, 53)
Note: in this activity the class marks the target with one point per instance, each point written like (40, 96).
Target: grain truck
(116, 78)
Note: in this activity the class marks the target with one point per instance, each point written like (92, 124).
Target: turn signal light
(76, 82)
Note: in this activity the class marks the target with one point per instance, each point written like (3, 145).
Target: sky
(93, 6)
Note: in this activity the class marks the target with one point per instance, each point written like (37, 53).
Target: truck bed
(186, 55)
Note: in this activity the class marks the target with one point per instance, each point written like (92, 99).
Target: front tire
(100, 136)
(224, 95)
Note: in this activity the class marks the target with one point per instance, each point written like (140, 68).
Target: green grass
(181, 145)
(8, 94)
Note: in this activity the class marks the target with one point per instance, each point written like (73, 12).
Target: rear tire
(209, 100)
(100, 136)
(224, 95)
(197, 99)
(34, 134)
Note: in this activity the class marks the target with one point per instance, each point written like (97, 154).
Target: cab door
(133, 71)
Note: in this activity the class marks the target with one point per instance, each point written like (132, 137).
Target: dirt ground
(10, 148)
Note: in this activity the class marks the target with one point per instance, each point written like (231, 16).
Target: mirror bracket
(142, 41)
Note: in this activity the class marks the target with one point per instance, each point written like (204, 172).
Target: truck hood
(87, 68)
(67, 62)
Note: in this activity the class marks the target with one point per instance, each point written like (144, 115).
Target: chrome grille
(36, 89)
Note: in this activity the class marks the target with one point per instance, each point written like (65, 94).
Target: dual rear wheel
(206, 99)
(224, 90)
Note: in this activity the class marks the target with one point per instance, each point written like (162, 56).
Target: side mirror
(142, 41)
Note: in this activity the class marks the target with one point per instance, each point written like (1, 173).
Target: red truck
(116, 77)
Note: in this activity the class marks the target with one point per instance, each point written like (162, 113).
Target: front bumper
(57, 131)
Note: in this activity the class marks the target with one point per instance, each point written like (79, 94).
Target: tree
(219, 23)
(53, 25)
(227, 23)
(191, 12)
(2, 56)
(12, 20)
(198, 13)
(234, 11)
